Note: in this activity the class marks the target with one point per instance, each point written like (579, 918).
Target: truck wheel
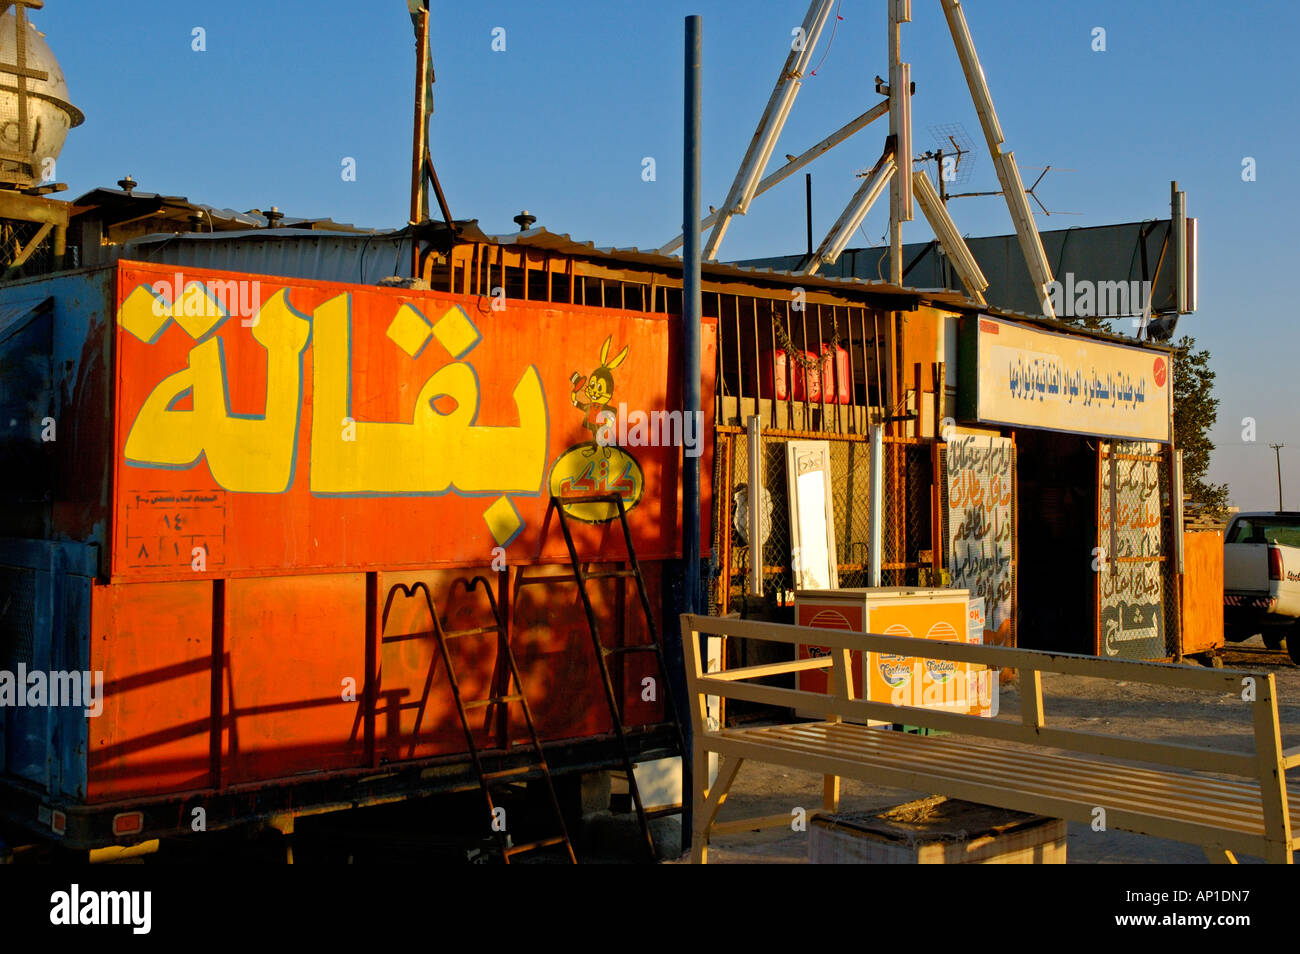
(1293, 645)
(1273, 639)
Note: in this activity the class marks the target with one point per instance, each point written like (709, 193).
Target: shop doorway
(1057, 523)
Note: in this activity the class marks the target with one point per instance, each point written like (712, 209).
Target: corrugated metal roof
(565, 244)
(177, 206)
(365, 258)
(540, 238)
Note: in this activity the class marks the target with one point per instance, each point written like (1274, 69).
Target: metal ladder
(501, 698)
(603, 652)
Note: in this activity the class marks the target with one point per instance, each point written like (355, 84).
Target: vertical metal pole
(1277, 452)
(419, 143)
(895, 115)
(877, 511)
(1178, 510)
(807, 181)
(1178, 225)
(755, 529)
(692, 309)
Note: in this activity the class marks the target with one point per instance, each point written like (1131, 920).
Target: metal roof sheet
(541, 238)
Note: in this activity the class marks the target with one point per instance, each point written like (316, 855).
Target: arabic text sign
(1023, 376)
(345, 426)
(1131, 522)
(981, 528)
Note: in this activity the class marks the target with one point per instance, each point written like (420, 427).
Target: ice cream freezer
(943, 614)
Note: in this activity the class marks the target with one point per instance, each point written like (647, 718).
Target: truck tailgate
(1245, 568)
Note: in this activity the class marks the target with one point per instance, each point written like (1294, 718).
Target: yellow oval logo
(591, 469)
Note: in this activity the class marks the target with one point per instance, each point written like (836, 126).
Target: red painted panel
(557, 660)
(829, 614)
(290, 644)
(325, 426)
(153, 643)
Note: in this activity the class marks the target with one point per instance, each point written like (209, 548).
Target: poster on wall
(981, 527)
(1130, 535)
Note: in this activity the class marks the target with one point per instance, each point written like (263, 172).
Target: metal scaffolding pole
(773, 120)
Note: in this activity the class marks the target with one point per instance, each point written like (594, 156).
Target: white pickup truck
(1261, 579)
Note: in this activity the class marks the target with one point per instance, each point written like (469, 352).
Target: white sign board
(1020, 376)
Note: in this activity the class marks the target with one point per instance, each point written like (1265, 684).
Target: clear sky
(559, 122)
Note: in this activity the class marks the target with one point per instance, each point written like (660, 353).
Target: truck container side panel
(552, 643)
(153, 642)
(55, 406)
(556, 660)
(70, 744)
(416, 716)
(26, 400)
(84, 398)
(27, 592)
(341, 426)
(274, 440)
(294, 647)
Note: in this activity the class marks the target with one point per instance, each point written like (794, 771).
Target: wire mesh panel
(906, 539)
(17, 238)
(907, 545)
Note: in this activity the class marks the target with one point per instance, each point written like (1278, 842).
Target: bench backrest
(1256, 689)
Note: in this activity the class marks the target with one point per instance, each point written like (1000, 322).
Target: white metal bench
(1165, 789)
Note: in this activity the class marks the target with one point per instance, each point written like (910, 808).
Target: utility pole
(1277, 452)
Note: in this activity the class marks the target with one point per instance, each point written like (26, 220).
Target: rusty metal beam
(15, 205)
(21, 258)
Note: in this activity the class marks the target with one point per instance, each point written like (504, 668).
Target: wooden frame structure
(1163, 789)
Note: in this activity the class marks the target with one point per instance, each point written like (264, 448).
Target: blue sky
(560, 122)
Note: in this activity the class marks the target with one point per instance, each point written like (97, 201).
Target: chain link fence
(907, 558)
(15, 236)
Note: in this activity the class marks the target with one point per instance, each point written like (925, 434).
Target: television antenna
(1029, 191)
(950, 158)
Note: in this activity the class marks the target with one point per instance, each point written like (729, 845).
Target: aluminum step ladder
(632, 571)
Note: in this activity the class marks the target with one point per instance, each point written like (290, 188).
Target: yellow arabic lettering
(245, 453)
(437, 451)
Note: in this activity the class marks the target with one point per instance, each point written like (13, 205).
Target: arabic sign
(318, 425)
(1131, 530)
(981, 527)
(1021, 376)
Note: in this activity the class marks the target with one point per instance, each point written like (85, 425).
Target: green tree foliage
(1195, 410)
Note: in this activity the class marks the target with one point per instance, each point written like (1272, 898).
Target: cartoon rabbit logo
(598, 389)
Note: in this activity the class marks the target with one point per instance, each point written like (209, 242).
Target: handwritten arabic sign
(981, 527)
(1131, 529)
(339, 426)
(1016, 375)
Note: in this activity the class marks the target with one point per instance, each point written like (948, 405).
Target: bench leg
(709, 801)
(831, 793)
(1220, 856)
(1278, 854)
